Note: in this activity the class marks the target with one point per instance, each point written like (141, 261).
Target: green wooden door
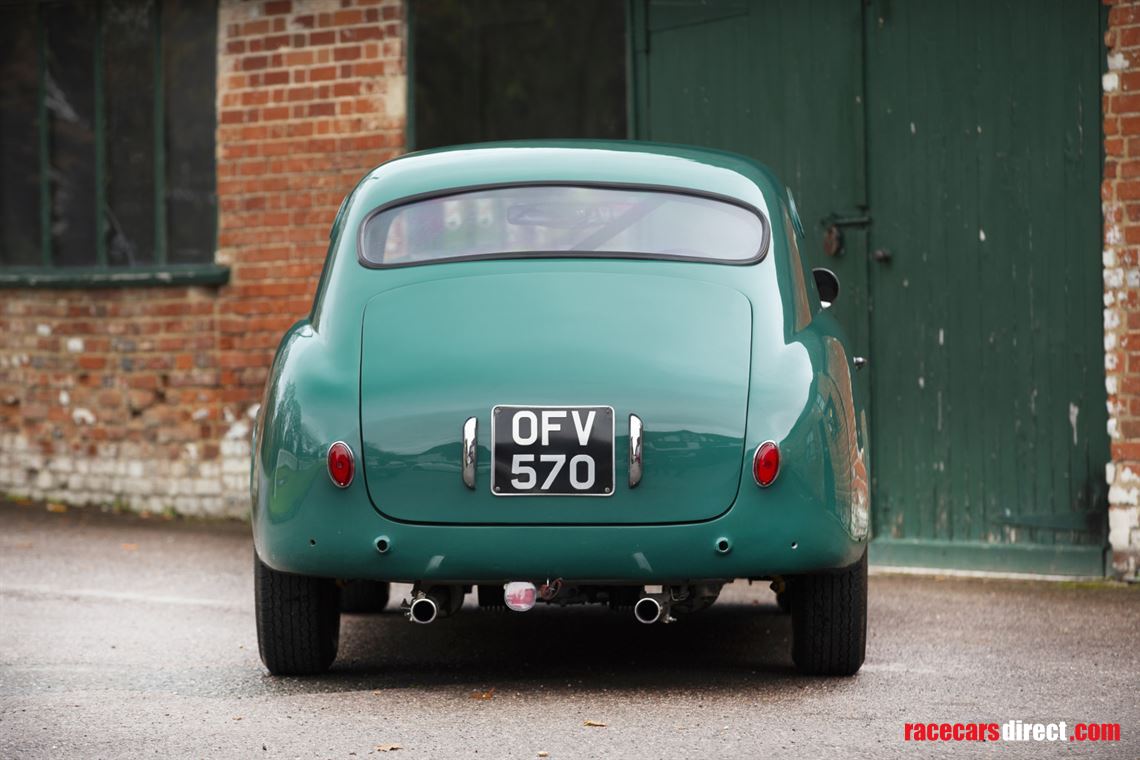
(755, 79)
(970, 135)
(984, 128)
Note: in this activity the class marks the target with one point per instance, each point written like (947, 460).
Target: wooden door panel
(988, 403)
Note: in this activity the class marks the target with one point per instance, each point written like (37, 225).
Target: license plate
(552, 450)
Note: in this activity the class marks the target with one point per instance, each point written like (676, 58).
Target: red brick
(346, 18)
(361, 33)
(278, 41)
(350, 53)
(255, 28)
(1128, 37)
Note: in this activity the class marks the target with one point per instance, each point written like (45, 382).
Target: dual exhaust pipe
(440, 601)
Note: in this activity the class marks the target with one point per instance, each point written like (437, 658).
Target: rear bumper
(341, 542)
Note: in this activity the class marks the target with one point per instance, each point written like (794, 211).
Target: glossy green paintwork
(714, 358)
(559, 336)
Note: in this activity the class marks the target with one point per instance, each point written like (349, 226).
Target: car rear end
(576, 391)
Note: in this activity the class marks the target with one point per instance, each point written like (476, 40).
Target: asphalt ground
(128, 637)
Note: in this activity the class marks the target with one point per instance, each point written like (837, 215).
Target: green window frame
(158, 268)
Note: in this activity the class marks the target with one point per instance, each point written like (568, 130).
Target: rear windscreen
(563, 221)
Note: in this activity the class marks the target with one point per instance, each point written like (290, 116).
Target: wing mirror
(827, 284)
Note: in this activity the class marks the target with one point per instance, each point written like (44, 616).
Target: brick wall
(144, 396)
(311, 94)
(1121, 197)
(112, 396)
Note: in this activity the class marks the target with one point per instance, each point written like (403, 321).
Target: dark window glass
(570, 221)
(19, 138)
(189, 29)
(506, 69)
(70, 100)
(129, 38)
(107, 118)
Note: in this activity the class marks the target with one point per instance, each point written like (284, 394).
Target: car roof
(619, 162)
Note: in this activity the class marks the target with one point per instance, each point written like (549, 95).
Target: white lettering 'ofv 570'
(552, 450)
(527, 428)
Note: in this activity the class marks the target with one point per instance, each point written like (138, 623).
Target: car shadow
(560, 649)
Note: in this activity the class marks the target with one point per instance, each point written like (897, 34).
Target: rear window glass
(563, 221)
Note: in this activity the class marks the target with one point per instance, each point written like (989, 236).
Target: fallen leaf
(594, 724)
(489, 694)
(54, 506)
(387, 747)
(544, 753)
(237, 717)
(129, 547)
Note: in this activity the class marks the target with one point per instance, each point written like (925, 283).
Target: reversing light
(766, 463)
(341, 464)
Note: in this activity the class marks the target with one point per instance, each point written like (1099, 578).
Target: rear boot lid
(674, 352)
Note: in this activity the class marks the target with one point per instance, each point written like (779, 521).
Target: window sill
(60, 277)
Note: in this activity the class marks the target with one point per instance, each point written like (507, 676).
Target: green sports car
(561, 373)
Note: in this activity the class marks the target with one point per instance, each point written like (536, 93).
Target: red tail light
(766, 463)
(341, 464)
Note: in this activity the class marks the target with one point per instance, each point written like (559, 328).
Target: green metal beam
(100, 142)
(105, 277)
(409, 76)
(1043, 559)
(45, 144)
(159, 142)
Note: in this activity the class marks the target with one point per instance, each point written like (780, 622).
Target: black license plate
(552, 450)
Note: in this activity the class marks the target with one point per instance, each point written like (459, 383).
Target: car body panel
(554, 338)
(324, 387)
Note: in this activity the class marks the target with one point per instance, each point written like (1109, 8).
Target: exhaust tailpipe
(651, 610)
(423, 610)
(431, 602)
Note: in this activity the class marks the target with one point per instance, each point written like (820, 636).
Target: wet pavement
(126, 637)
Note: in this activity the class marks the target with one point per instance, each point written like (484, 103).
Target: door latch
(833, 231)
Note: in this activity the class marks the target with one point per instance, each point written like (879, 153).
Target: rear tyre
(364, 597)
(829, 620)
(298, 621)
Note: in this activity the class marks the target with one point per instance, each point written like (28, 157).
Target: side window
(799, 274)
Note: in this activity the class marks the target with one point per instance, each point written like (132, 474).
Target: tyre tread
(829, 621)
(298, 621)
